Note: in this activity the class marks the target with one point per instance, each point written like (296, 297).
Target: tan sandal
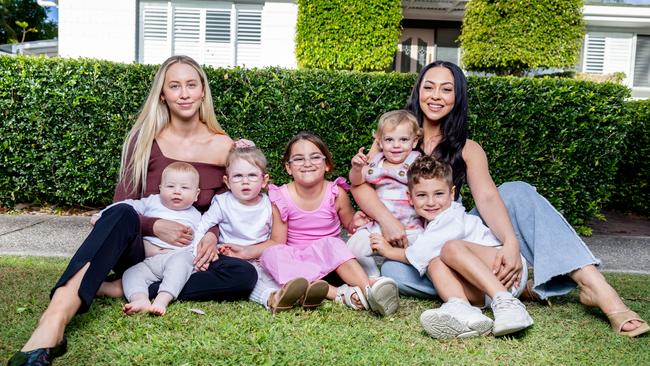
(315, 294)
(619, 318)
(289, 295)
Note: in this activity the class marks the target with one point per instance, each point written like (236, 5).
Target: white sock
(503, 295)
(458, 299)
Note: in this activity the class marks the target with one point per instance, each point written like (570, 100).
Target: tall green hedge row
(63, 122)
(631, 191)
(357, 35)
(511, 37)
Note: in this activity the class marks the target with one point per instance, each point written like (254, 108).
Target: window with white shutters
(607, 53)
(642, 61)
(218, 47)
(155, 42)
(249, 37)
(594, 54)
(211, 32)
(187, 32)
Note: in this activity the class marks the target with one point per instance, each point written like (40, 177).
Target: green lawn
(243, 333)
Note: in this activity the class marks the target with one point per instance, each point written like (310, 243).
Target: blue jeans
(546, 240)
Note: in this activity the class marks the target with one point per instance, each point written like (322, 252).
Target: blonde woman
(177, 123)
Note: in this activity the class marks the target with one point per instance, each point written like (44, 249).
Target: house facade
(617, 38)
(251, 33)
(258, 33)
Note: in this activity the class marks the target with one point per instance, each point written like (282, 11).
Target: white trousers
(172, 268)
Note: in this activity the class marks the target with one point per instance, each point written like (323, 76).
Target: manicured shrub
(631, 190)
(63, 122)
(357, 35)
(510, 37)
(561, 135)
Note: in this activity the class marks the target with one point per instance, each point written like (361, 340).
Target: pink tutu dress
(313, 247)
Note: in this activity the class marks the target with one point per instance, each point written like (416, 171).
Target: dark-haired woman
(522, 219)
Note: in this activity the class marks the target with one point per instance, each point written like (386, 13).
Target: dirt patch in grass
(620, 223)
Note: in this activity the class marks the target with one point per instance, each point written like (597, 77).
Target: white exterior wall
(279, 34)
(98, 29)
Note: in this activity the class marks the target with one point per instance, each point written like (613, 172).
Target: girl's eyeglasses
(252, 177)
(300, 160)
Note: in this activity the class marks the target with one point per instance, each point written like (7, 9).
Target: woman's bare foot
(596, 292)
(111, 289)
(139, 304)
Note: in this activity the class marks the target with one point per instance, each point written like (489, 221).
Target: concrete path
(59, 236)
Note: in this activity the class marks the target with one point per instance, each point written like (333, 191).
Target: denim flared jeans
(546, 240)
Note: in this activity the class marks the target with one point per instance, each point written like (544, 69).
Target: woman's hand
(172, 232)
(507, 265)
(206, 252)
(238, 251)
(393, 231)
(94, 218)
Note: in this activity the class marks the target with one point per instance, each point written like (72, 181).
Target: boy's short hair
(181, 167)
(428, 167)
(251, 154)
(392, 119)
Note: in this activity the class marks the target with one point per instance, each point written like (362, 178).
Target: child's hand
(379, 245)
(358, 220)
(224, 249)
(237, 251)
(360, 159)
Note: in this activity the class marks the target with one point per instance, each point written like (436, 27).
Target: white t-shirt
(238, 223)
(152, 207)
(451, 224)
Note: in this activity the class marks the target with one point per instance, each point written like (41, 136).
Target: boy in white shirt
(455, 251)
(179, 189)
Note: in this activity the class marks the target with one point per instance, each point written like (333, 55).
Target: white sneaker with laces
(510, 315)
(455, 319)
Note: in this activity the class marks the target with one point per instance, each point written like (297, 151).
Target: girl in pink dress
(307, 217)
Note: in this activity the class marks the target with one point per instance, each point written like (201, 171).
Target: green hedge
(511, 37)
(357, 35)
(631, 191)
(63, 122)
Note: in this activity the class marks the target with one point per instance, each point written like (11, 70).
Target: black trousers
(115, 243)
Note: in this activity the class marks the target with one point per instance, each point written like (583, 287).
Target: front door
(415, 49)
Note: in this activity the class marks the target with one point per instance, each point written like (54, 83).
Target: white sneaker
(510, 315)
(455, 319)
(383, 296)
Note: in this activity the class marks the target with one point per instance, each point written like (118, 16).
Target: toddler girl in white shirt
(244, 216)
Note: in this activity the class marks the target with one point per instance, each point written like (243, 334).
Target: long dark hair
(453, 126)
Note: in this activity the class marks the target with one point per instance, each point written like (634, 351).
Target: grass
(243, 333)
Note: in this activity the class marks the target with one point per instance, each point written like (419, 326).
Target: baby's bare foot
(136, 306)
(157, 309)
